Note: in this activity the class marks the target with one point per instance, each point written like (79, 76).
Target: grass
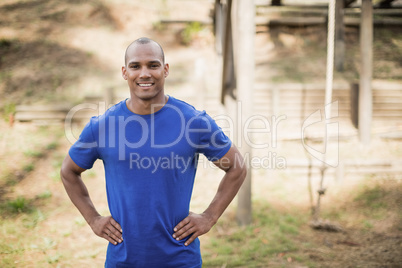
(271, 234)
(18, 205)
(45, 195)
(372, 197)
(24, 149)
(281, 237)
(33, 153)
(28, 167)
(278, 237)
(21, 216)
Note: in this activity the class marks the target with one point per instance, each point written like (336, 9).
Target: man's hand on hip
(108, 228)
(194, 225)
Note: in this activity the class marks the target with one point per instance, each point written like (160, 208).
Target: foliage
(8, 109)
(190, 32)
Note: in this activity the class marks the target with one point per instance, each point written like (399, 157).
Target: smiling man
(149, 145)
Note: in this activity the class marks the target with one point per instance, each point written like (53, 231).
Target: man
(149, 145)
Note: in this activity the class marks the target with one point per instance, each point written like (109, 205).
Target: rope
(328, 97)
(330, 57)
(330, 68)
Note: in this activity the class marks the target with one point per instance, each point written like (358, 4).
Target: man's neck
(143, 107)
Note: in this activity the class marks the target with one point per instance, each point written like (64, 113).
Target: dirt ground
(61, 238)
(79, 46)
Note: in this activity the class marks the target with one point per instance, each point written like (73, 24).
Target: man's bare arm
(105, 227)
(198, 224)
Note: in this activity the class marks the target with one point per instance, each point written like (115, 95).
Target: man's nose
(145, 73)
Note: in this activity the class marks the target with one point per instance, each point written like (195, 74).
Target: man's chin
(147, 96)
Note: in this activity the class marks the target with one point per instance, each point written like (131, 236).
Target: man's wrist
(91, 220)
(212, 218)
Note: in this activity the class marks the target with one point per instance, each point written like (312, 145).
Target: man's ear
(124, 72)
(166, 69)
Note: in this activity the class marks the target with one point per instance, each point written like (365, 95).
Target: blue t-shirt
(150, 163)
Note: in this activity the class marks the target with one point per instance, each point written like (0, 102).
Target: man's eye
(154, 66)
(134, 66)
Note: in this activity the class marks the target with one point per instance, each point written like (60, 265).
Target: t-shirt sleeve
(84, 151)
(214, 144)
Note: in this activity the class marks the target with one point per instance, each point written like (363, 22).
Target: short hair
(143, 41)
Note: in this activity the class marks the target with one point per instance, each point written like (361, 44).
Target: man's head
(144, 41)
(145, 69)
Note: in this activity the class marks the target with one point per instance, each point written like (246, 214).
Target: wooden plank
(310, 99)
(308, 10)
(185, 21)
(397, 106)
(379, 94)
(378, 85)
(376, 11)
(312, 21)
(376, 21)
(28, 116)
(43, 108)
(386, 100)
(387, 113)
(290, 21)
(299, 87)
(323, 11)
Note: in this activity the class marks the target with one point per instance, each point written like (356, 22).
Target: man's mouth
(145, 84)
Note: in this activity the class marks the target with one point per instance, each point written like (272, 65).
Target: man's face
(145, 71)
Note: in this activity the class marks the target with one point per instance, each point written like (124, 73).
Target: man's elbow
(68, 171)
(63, 173)
(240, 173)
(243, 173)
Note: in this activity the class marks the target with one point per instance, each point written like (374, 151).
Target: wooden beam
(245, 80)
(366, 72)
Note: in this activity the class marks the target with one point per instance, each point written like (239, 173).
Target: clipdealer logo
(326, 152)
(326, 155)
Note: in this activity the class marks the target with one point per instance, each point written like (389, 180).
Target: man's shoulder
(186, 107)
(113, 111)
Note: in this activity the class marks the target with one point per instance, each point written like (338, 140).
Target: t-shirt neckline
(129, 112)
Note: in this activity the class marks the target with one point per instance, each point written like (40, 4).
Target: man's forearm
(195, 225)
(105, 227)
(227, 190)
(79, 195)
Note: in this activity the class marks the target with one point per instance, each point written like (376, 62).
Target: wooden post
(219, 23)
(354, 104)
(245, 84)
(228, 72)
(339, 36)
(365, 90)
